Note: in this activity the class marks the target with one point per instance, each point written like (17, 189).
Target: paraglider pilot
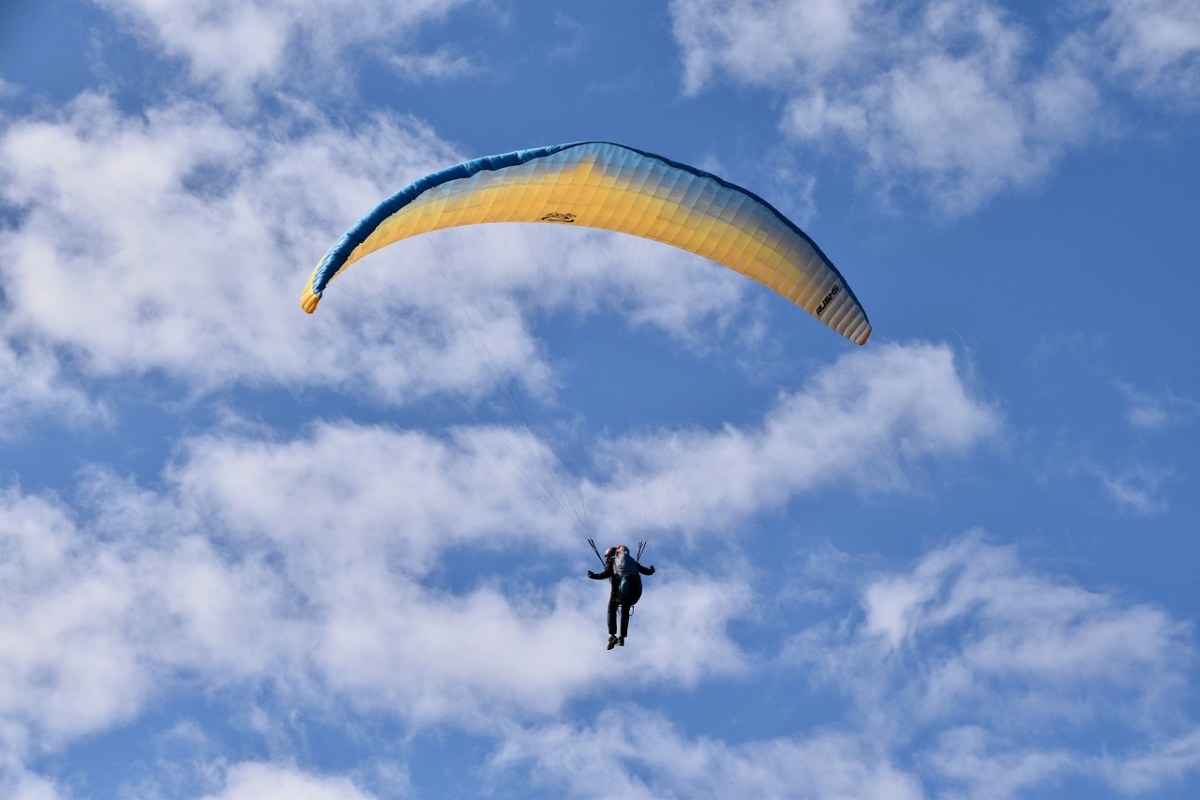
(625, 579)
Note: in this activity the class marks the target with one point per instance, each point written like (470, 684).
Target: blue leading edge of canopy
(358, 233)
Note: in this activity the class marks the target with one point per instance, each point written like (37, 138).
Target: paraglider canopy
(618, 188)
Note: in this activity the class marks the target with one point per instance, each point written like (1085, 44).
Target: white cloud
(175, 242)
(1019, 625)
(240, 47)
(266, 781)
(319, 565)
(113, 604)
(275, 564)
(969, 675)
(33, 383)
(865, 422)
(168, 242)
(632, 753)
(68, 667)
(767, 43)
(1167, 763)
(980, 766)
(1006, 669)
(363, 520)
(28, 786)
(401, 491)
(960, 125)
(1154, 44)
(956, 100)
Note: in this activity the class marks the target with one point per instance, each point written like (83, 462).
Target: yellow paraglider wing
(617, 188)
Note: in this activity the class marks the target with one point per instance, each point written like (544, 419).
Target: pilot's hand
(650, 570)
(591, 574)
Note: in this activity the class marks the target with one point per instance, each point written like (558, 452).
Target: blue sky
(246, 552)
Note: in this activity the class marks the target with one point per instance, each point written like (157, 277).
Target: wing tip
(309, 300)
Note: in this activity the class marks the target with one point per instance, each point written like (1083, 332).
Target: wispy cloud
(442, 65)
(1136, 488)
(1131, 484)
(1137, 479)
(1154, 411)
